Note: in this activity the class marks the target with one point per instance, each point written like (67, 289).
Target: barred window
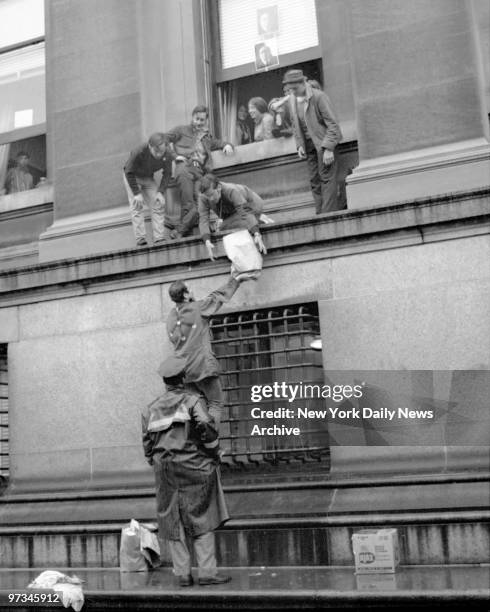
(4, 432)
(259, 348)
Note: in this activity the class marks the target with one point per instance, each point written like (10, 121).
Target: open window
(255, 43)
(22, 95)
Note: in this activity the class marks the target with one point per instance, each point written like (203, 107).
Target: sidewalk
(278, 588)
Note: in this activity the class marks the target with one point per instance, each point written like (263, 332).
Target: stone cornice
(319, 237)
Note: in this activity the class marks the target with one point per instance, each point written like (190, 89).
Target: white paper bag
(139, 548)
(242, 252)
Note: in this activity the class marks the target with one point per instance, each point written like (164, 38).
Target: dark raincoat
(188, 487)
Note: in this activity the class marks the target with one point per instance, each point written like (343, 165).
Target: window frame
(223, 75)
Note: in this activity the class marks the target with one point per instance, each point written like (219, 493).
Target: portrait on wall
(266, 55)
(267, 21)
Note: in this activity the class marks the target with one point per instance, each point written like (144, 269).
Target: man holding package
(180, 441)
(235, 206)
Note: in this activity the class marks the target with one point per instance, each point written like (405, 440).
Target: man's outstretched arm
(211, 304)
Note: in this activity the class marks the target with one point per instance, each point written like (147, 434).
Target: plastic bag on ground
(139, 548)
(243, 254)
(69, 587)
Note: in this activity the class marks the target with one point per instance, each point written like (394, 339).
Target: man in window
(317, 134)
(19, 178)
(228, 206)
(141, 187)
(193, 145)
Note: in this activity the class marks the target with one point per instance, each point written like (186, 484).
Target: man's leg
(185, 177)
(313, 171)
(328, 178)
(157, 211)
(205, 549)
(137, 216)
(211, 389)
(181, 558)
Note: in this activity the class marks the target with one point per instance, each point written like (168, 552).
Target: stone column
(421, 120)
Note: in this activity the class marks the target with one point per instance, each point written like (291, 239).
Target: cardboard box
(376, 551)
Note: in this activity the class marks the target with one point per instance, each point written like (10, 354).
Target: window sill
(26, 199)
(269, 149)
(255, 151)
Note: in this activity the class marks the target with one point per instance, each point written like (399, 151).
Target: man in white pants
(142, 189)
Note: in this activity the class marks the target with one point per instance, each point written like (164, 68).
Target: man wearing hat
(188, 330)
(317, 133)
(180, 441)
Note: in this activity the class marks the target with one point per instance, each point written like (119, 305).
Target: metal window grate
(4, 416)
(259, 348)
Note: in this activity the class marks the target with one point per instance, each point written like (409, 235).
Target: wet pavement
(279, 588)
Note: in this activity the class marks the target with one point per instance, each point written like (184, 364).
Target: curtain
(5, 126)
(228, 107)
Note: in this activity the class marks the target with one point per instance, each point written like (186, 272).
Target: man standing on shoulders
(235, 206)
(317, 134)
(180, 441)
(142, 189)
(193, 145)
(188, 330)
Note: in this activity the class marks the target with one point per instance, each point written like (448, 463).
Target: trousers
(323, 179)
(204, 550)
(157, 211)
(187, 178)
(212, 390)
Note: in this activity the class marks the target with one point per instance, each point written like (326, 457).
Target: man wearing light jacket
(234, 205)
(317, 133)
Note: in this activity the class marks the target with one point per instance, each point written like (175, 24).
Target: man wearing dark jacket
(193, 145)
(188, 330)
(141, 188)
(317, 133)
(235, 205)
(180, 441)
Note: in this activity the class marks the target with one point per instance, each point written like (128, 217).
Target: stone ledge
(323, 235)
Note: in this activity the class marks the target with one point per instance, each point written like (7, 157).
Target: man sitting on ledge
(193, 145)
(225, 206)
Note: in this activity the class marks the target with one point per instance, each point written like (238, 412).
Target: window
(255, 43)
(262, 347)
(4, 432)
(22, 95)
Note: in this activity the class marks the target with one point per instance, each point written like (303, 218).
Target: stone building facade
(398, 281)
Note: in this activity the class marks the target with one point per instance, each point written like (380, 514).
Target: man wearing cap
(188, 330)
(180, 441)
(141, 188)
(317, 133)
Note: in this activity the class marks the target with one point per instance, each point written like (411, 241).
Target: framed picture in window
(267, 21)
(266, 55)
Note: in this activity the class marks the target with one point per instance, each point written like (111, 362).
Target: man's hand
(228, 149)
(328, 157)
(210, 249)
(138, 202)
(160, 199)
(260, 243)
(301, 153)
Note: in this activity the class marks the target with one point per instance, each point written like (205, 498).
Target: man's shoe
(141, 242)
(186, 581)
(218, 579)
(159, 241)
(174, 234)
